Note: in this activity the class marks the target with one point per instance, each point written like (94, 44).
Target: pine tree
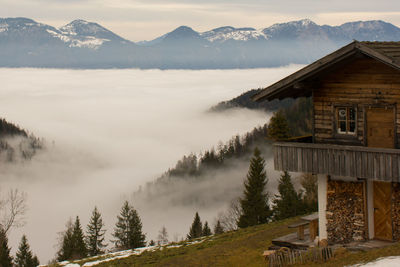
(24, 256)
(128, 229)
(278, 128)
(65, 251)
(254, 203)
(196, 230)
(95, 234)
(288, 202)
(162, 236)
(218, 229)
(79, 246)
(310, 198)
(5, 258)
(206, 229)
(73, 245)
(35, 261)
(152, 243)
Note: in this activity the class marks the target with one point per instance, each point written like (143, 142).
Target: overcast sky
(146, 19)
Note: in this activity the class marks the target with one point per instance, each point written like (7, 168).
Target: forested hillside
(218, 162)
(298, 112)
(17, 143)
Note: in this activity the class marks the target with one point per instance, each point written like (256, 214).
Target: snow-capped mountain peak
(227, 33)
(82, 27)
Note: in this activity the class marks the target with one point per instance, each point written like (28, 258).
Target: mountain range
(81, 44)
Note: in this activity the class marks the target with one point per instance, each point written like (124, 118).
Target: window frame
(347, 120)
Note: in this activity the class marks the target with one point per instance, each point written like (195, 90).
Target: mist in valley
(109, 132)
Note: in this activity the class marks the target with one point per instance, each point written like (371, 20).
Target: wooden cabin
(355, 148)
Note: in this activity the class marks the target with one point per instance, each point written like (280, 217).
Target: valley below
(109, 132)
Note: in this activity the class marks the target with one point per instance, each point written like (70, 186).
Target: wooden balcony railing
(350, 161)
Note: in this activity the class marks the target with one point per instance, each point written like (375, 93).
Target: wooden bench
(312, 221)
(300, 228)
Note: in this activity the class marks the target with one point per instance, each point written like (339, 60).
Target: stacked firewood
(345, 212)
(396, 211)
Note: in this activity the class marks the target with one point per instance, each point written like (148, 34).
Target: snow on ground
(393, 261)
(127, 253)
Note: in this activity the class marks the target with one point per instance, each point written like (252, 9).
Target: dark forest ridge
(81, 44)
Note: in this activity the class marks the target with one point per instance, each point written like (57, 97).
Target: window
(346, 120)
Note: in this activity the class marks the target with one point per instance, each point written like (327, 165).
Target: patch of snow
(63, 38)
(3, 27)
(63, 263)
(120, 255)
(137, 251)
(393, 261)
(234, 34)
(72, 265)
(90, 42)
(68, 29)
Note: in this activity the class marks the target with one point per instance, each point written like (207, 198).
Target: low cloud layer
(108, 132)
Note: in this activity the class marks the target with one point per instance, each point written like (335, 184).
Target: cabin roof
(297, 84)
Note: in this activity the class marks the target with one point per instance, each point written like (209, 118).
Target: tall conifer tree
(65, 251)
(5, 258)
(206, 229)
(128, 229)
(79, 246)
(218, 229)
(24, 257)
(95, 234)
(73, 245)
(254, 203)
(196, 229)
(288, 203)
(278, 128)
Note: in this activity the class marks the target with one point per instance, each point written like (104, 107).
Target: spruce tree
(79, 246)
(288, 203)
(5, 258)
(196, 230)
(95, 234)
(35, 261)
(73, 246)
(218, 229)
(278, 128)
(128, 229)
(24, 257)
(310, 198)
(65, 251)
(206, 229)
(254, 203)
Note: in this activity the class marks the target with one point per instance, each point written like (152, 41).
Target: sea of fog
(109, 131)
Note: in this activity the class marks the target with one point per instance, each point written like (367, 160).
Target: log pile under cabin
(345, 212)
(396, 210)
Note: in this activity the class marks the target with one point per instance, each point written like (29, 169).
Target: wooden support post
(313, 229)
(300, 232)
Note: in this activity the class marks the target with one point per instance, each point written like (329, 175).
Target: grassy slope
(239, 248)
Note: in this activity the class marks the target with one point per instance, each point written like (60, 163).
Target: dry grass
(240, 248)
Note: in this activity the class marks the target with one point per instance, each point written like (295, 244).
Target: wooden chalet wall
(363, 82)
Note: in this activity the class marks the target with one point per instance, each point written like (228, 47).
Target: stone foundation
(345, 212)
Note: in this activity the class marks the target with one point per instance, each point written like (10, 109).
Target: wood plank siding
(361, 83)
(338, 160)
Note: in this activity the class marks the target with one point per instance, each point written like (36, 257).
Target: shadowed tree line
(26, 146)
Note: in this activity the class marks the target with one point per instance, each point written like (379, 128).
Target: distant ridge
(82, 44)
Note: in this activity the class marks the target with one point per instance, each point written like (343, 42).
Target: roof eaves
(376, 54)
(306, 72)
